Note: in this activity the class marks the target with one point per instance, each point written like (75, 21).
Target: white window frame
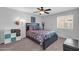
(65, 22)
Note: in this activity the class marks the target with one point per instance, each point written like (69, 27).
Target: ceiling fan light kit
(42, 12)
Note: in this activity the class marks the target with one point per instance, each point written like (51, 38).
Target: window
(65, 22)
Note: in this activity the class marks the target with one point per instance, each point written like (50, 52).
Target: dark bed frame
(46, 42)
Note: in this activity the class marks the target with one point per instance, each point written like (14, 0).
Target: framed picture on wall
(33, 19)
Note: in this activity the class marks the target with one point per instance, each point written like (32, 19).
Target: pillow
(30, 28)
(34, 27)
(37, 27)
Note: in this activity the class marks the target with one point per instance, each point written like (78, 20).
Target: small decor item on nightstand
(43, 24)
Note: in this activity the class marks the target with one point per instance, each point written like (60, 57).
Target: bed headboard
(33, 25)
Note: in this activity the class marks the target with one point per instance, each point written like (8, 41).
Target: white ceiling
(33, 9)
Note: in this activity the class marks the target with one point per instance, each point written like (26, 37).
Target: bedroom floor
(29, 45)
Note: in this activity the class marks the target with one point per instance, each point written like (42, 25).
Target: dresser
(9, 35)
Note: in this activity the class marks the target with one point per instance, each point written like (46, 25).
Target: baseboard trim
(61, 37)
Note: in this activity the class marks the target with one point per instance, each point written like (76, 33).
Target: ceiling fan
(41, 10)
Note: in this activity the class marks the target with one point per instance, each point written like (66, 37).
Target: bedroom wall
(8, 16)
(51, 24)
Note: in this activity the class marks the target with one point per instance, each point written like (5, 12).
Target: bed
(44, 37)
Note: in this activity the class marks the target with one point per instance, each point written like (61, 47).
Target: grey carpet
(29, 45)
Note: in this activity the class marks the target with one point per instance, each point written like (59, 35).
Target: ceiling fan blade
(36, 11)
(47, 10)
(38, 8)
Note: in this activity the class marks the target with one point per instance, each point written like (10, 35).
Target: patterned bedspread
(40, 35)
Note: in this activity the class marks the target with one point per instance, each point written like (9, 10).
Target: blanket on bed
(40, 35)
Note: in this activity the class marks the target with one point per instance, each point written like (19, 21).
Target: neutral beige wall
(51, 24)
(8, 16)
